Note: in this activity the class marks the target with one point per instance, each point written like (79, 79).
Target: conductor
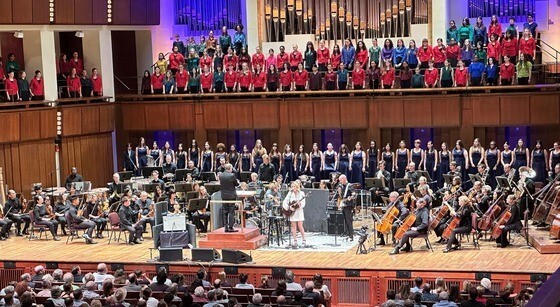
(228, 181)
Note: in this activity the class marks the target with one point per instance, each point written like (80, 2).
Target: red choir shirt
(73, 84)
(233, 60)
(64, 67)
(259, 79)
(461, 76)
(431, 76)
(258, 58)
(96, 84)
(509, 48)
(286, 78)
(157, 81)
(281, 59)
(453, 52)
(79, 65)
(37, 87)
(271, 60)
(330, 76)
(358, 77)
(388, 76)
(206, 80)
(527, 46)
(439, 54)
(301, 77)
(425, 55)
(245, 79)
(182, 78)
(507, 71)
(494, 50)
(495, 29)
(205, 61)
(362, 57)
(335, 60)
(295, 58)
(12, 86)
(175, 59)
(230, 78)
(2, 74)
(323, 56)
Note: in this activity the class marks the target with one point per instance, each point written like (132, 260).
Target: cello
(502, 220)
(440, 214)
(555, 228)
(405, 226)
(388, 219)
(490, 215)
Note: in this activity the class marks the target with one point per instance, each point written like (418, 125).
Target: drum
(253, 223)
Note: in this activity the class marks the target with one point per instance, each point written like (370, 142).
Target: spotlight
(18, 34)
(79, 34)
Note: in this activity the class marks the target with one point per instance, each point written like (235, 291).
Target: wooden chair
(264, 292)
(115, 226)
(243, 291)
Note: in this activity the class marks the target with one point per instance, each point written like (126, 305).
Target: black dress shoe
(406, 249)
(233, 230)
(90, 241)
(381, 243)
(447, 250)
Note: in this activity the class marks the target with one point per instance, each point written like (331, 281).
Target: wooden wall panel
(358, 117)
(90, 120)
(545, 109)
(83, 11)
(300, 114)
(418, 112)
(487, 114)
(215, 116)
(139, 12)
(10, 44)
(121, 12)
(326, 113)
(391, 113)
(133, 117)
(240, 115)
(446, 112)
(99, 12)
(41, 11)
(10, 127)
(48, 123)
(6, 11)
(265, 115)
(71, 121)
(157, 117)
(22, 11)
(64, 12)
(153, 12)
(181, 116)
(514, 110)
(106, 118)
(30, 124)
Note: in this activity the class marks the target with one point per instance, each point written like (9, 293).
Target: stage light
(79, 34)
(18, 34)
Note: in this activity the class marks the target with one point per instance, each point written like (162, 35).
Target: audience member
(444, 300)
(243, 282)
(290, 284)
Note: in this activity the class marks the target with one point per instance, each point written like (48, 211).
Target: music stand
(122, 186)
(147, 171)
(181, 174)
(196, 204)
(401, 183)
(208, 176)
(245, 176)
(503, 182)
(150, 188)
(183, 187)
(369, 183)
(474, 178)
(124, 176)
(191, 195)
(424, 174)
(448, 179)
(212, 188)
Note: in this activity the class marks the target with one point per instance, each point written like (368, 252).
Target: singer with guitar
(346, 203)
(295, 202)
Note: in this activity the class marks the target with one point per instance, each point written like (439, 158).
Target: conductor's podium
(244, 239)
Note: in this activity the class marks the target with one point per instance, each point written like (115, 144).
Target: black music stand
(147, 171)
(124, 176)
(369, 183)
(474, 178)
(122, 186)
(401, 183)
(448, 179)
(191, 195)
(212, 188)
(503, 182)
(245, 176)
(197, 204)
(424, 174)
(181, 174)
(150, 188)
(183, 187)
(208, 176)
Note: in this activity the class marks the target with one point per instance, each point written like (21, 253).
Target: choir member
(476, 155)
(286, 77)
(282, 57)
(476, 69)
(416, 154)
(348, 55)
(76, 62)
(129, 159)
(301, 78)
(461, 74)
(323, 56)
(206, 80)
(225, 40)
(344, 160)
(272, 78)
(527, 45)
(524, 70)
(418, 79)
(207, 157)
(315, 79)
(388, 76)
(181, 79)
(23, 86)
(336, 57)
(301, 162)
(431, 75)
(342, 77)
(491, 73)
(492, 161)
(231, 59)
(245, 79)
(453, 52)
(96, 83)
(510, 46)
(539, 156)
(358, 76)
(157, 81)
(142, 153)
(425, 54)
(259, 78)
(218, 79)
(175, 59)
(309, 57)
(74, 86)
(169, 85)
(194, 81)
(439, 54)
(287, 164)
(402, 156)
(357, 163)
(271, 59)
(36, 86)
(362, 55)
(374, 52)
(387, 51)
(230, 79)
(146, 83)
(405, 75)
(522, 156)
(460, 156)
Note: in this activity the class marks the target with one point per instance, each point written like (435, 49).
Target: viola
(388, 218)
(502, 220)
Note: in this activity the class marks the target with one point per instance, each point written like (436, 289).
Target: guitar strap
(346, 190)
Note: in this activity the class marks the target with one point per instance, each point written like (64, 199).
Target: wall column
(39, 54)
(438, 23)
(98, 54)
(252, 25)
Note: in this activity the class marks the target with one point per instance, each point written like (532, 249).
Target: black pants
(194, 89)
(330, 85)
(201, 221)
(219, 86)
(452, 62)
(134, 231)
(158, 90)
(101, 223)
(62, 223)
(36, 97)
(405, 83)
(348, 215)
(342, 85)
(146, 221)
(244, 89)
(89, 225)
(5, 225)
(181, 90)
(374, 84)
(25, 95)
(228, 215)
(259, 89)
(453, 238)
(523, 81)
(272, 86)
(300, 88)
(506, 81)
(394, 228)
(286, 88)
(229, 89)
(475, 81)
(86, 91)
(407, 236)
(96, 94)
(206, 90)
(17, 219)
(52, 225)
(440, 228)
(447, 83)
(358, 86)
(503, 238)
(491, 81)
(74, 94)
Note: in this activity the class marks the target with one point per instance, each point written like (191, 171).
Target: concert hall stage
(540, 239)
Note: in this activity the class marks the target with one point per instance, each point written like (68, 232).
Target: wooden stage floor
(488, 259)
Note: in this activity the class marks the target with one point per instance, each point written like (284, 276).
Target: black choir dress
(288, 168)
(301, 162)
(193, 156)
(430, 164)
(275, 160)
(330, 162)
(181, 159)
(520, 159)
(357, 176)
(155, 154)
(388, 159)
(372, 162)
(443, 167)
(459, 158)
(539, 166)
(343, 164)
(316, 166)
(555, 159)
(246, 162)
(492, 160)
(258, 160)
(506, 158)
(142, 156)
(402, 161)
(416, 157)
(207, 161)
(476, 158)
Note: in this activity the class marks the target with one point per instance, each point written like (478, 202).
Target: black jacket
(228, 181)
(126, 216)
(73, 217)
(267, 172)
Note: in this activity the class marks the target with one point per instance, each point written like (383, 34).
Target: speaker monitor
(335, 223)
(403, 274)
(116, 266)
(352, 273)
(52, 265)
(279, 272)
(9, 265)
(204, 254)
(538, 277)
(171, 254)
(481, 275)
(235, 256)
(231, 270)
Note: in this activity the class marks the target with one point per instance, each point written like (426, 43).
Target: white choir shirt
(298, 196)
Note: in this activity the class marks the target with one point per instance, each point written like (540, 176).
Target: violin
(502, 220)
(388, 218)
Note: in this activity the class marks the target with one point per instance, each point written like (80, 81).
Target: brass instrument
(485, 175)
(524, 172)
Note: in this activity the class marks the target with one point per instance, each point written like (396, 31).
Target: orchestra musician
(41, 217)
(514, 222)
(554, 174)
(113, 189)
(271, 198)
(14, 211)
(145, 206)
(465, 224)
(173, 206)
(510, 173)
(155, 178)
(411, 173)
(484, 201)
(228, 181)
(267, 171)
(525, 202)
(60, 209)
(94, 212)
(296, 197)
(255, 182)
(126, 218)
(169, 167)
(345, 193)
(201, 218)
(74, 177)
(420, 227)
(5, 225)
(426, 194)
(483, 173)
(79, 222)
(403, 213)
(194, 171)
(221, 165)
(386, 176)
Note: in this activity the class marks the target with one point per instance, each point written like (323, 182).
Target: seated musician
(222, 167)
(420, 227)
(159, 194)
(61, 207)
(145, 205)
(5, 225)
(173, 206)
(484, 201)
(344, 192)
(465, 224)
(526, 203)
(169, 168)
(411, 173)
(79, 222)
(266, 170)
(403, 213)
(426, 194)
(194, 171)
(272, 198)
(514, 222)
(279, 179)
(510, 173)
(474, 192)
(155, 178)
(38, 190)
(454, 170)
(74, 177)
(554, 174)
(202, 217)
(254, 183)
(126, 216)
(42, 217)
(94, 212)
(113, 189)
(14, 211)
(386, 176)
(485, 179)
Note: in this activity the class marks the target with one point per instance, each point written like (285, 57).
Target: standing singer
(295, 202)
